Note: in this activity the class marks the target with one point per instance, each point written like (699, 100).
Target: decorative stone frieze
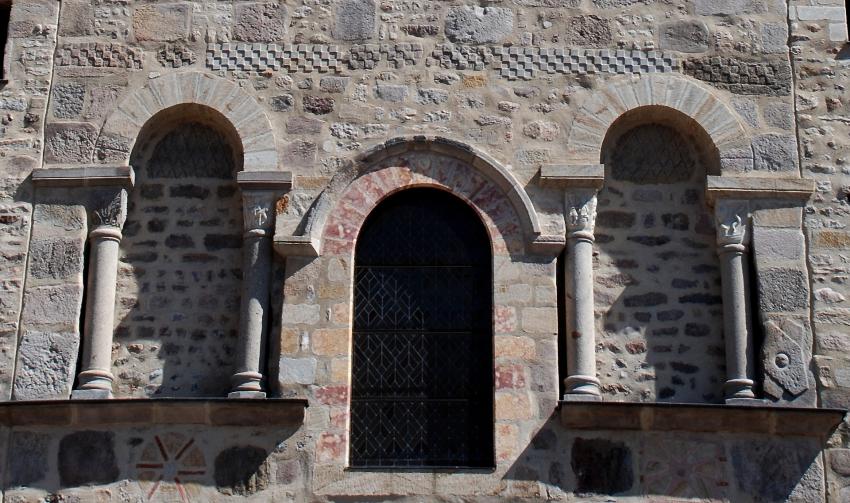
(99, 55)
(742, 77)
(302, 58)
(175, 56)
(530, 62)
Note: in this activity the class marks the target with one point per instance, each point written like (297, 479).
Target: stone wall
(359, 99)
(657, 274)
(177, 305)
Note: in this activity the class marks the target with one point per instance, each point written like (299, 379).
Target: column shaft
(738, 337)
(95, 380)
(581, 381)
(254, 316)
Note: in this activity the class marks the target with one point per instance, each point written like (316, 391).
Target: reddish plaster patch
(332, 395)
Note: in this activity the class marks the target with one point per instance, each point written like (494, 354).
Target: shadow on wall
(175, 464)
(657, 277)
(177, 307)
(667, 464)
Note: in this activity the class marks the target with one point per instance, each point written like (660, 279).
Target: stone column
(260, 191)
(581, 382)
(108, 214)
(731, 248)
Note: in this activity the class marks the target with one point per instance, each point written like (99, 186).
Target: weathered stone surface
(87, 457)
(391, 93)
(601, 466)
(775, 470)
(774, 37)
(779, 115)
(53, 305)
(771, 77)
(242, 470)
(319, 105)
(729, 7)
(260, 22)
(56, 258)
(68, 100)
(773, 152)
(30, 463)
(588, 31)
(685, 36)
(355, 19)
(162, 22)
(479, 25)
(783, 359)
(47, 363)
(331, 84)
(783, 289)
(69, 142)
(298, 370)
(77, 18)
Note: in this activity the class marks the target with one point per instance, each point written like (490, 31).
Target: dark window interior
(422, 378)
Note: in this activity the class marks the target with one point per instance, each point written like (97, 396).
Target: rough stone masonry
(665, 188)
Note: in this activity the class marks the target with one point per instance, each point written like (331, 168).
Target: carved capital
(581, 213)
(258, 210)
(731, 232)
(108, 208)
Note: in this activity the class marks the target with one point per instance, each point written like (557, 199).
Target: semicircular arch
(124, 125)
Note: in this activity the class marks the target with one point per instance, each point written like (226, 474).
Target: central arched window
(422, 373)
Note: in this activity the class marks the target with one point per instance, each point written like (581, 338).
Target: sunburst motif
(167, 466)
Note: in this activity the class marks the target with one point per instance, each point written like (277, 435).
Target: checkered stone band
(300, 58)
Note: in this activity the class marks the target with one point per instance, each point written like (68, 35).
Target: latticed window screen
(422, 385)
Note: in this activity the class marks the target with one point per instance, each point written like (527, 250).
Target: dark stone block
(87, 457)
(215, 242)
(29, 464)
(55, 259)
(650, 240)
(318, 105)
(615, 219)
(684, 368)
(282, 103)
(700, 298)
(601, 466)
(676, 221)
(697, 329)
(666, 331)
(140, 257)
(783, 289)
(179, 241)
(226, 191)
(189, 192)
(643, 317)
(151, 191)
(156, 225)
(684, 283)
(241, 470)
(645, 300)
(665, 393)
(770, 470)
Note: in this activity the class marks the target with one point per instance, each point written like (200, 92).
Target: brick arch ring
(123, 126)
(401, 163)
(696, 101)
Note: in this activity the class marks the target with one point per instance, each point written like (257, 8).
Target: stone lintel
(547, 244)
(756, 418)
(729, 187)
(210, 411)
(296, 246)
(573, 175)
(268, 180)
(85, 176)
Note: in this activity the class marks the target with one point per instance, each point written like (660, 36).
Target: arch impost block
(590, 176)
(730, 187)
(547, 244)
(264, 180)
(84, 176)
(297, 246)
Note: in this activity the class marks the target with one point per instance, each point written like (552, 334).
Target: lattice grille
(422, 388)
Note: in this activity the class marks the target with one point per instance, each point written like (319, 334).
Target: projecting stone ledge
(176, 411)
(762, 419)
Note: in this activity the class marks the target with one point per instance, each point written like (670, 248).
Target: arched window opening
(658, 278)
(422, 372)
(179, 282)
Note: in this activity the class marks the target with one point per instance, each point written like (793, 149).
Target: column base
(247, 394)
(739, 388)
(91, 394)
(582, 385)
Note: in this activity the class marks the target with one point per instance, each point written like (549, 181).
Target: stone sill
(176, 411)
(762, 419)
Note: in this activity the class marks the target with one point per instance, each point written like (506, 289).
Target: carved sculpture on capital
(581, 213)
(731, 233)
(109, 208)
